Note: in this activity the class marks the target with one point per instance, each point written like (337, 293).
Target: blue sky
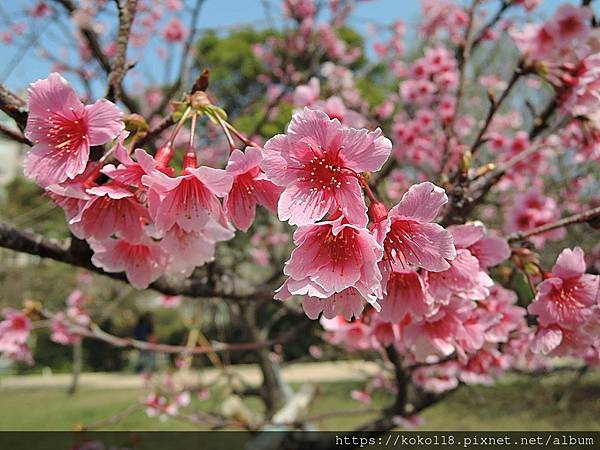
(225, 13)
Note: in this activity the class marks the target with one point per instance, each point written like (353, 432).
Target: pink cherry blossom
(174, 31)
(437, 378)
(354, 335)
(61, 332)
(169, 301)
(582, 97)
(572, 22)
(112, 209)
(331, 257)
(511, 318)
(348, 303)
(335, 108)
(299, 9)
(361, 396)
(488, 249)
(436, 336)
(555, 340)
(142, 262)
(191, 249)
(409, 238)
(63, 129)
(307, 94)
(567, 297)
(130, 172)
(72, 195)
(189, 200)
(529, 5)
(249, 188)
(483, 366)
(14, 330)
(405, 294)
(464, 278)
(530, 210)
(317, 162)
(385, 333)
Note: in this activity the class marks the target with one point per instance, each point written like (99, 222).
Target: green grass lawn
(515, 403)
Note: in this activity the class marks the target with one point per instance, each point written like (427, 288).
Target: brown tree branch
(466, 194)
(14, 135)
(586, 216)
(506, 4)
(398, 408)
(95, 332)
(93, 42)
(163, 125)
(495, 106)
(37, 245)
(183, 67)
(13, 106)
(119, 65)
(272, 389)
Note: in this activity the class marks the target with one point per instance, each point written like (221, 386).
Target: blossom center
(65, 134)
(323, 172)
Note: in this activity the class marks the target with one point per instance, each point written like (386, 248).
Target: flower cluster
(75, 314)
(138, 216)
(14, 332)
(567, 306)
(422, 278)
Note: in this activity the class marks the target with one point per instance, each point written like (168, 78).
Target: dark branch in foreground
(34, 244)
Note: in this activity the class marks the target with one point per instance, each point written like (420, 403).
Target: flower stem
(230, 140)
(246, 140)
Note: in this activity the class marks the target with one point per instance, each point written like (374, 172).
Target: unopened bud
(377, 212)
(201, 83)
(135, 123)
(465, 161)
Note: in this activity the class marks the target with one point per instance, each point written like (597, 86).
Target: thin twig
(119, 65)
(93, 42)
(13, 106)
(37, 245)
(181, 79)
(14, 135)
(495, 106)
(93, 331)
(582, 217)
(506, 4)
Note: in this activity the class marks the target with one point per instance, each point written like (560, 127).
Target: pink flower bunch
(444, 16)
(75, 314)
(334, 107)
(63, 130)
(174, 31)
(299, 9)
(533, 209)
(567, 305)
(479, 334)
(319, 162)
(145, 220)
(556, 39)
(14, 332)
(581, 87)
(162, 407)
(420, 137)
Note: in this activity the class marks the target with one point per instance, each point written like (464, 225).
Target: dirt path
(294, 373)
